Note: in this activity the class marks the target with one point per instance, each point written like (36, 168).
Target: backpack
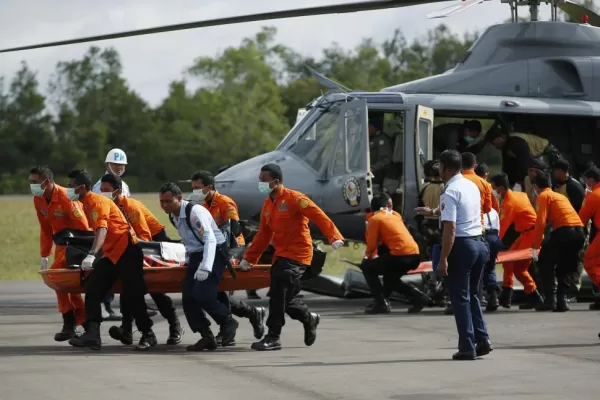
(222, 247)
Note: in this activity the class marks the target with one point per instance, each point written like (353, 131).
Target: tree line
(248, 101)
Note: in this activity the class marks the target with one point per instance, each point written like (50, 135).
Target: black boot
(207, 342)
(175, 333)
(147, 340)
(228, 331)
(549, 303)
(269, 342)
(483, 348)
(378, 307)
(122, 334)
(91, 337)
(506, 297)
(596, 304)
(310, 328)
(534, 300)
(493, 302)
(68, 329)
(257, 319)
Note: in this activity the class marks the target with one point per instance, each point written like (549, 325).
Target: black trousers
(284, 288)
(129, 269)
(238, 308)
(559, 259)
(200, 297)
(163, 302)
(392, 268)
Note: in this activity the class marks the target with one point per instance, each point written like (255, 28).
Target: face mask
(108, 195)
(36, 189)
(468, 139)
(263, 187)
(72, 195)
(495, 193)
(199, 195)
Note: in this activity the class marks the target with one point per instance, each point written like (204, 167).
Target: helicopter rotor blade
(454, 8)
(300, 12)
(577, 12)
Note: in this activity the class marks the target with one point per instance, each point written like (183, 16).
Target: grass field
(20, 244)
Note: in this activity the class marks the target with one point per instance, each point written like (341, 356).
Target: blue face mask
(468, 139)
(264, 187)
(72, 195)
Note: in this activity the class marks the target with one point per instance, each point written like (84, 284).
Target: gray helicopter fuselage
(525, 59)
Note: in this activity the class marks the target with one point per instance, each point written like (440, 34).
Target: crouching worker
(122, 259)
(205, 266)
(146, 228)
(225, 213)
(397, 253)
(284, 224)
(56, 212)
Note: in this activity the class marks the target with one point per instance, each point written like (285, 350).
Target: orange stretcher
(160, 277)
(503, 257)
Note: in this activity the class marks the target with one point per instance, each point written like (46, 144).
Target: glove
(44, 264)
(245, 266)
(534, 255)
(88, 261)
(337, 244)
(201, 275)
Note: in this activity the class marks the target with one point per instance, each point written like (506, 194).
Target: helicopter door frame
(348, 175)
(423, 129)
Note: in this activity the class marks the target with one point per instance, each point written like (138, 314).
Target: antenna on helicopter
(325, 81)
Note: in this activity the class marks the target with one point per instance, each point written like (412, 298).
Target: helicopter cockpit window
(350, 156)
(315, 144)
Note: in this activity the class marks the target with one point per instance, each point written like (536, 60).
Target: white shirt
(460, 203)
(124, 191)
(207, 229)
(492, 220)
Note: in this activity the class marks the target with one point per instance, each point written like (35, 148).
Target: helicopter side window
(316, 144)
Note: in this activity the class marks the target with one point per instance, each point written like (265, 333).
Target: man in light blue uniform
(463, 255)
(205, 265)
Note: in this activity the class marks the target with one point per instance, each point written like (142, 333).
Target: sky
(151, 62)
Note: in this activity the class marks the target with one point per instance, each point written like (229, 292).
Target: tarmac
(398, 356)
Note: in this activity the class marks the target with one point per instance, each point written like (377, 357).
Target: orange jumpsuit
(60, 214)
(284, 223)
(516, 209)
(554, 209)
(143, 222)
(389, 230)
(223, 209)
(591, 210)
(104, 213)
(485, 191)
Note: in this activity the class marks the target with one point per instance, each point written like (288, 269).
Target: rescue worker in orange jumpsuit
(391, 252)
(284, 224)
(591, 211)
(517, 214)
(488, 202)
(122, 258)
(225, 213)
(55, 213)
(559, 256)
(146, 228)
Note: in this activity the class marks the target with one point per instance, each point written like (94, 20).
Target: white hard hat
(116, 156)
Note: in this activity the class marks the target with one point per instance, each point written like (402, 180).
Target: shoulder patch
(230, 211)
(77, 212)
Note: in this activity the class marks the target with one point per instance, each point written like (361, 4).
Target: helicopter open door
(349, 183)
(423, 141)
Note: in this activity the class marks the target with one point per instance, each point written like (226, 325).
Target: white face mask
(109, 195)
(72, 195)
(199, 195)
(36, 189)
(495, 193)
(264, 187)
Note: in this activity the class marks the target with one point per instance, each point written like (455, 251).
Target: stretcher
(164, 270)
(503, 257)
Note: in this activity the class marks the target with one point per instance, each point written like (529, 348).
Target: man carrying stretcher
(56, 212)
(147, 228)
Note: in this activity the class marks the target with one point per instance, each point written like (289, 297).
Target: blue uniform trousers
(490, 282)
(465, 266)
(198, 297)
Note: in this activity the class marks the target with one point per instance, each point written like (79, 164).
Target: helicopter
(546, 71)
